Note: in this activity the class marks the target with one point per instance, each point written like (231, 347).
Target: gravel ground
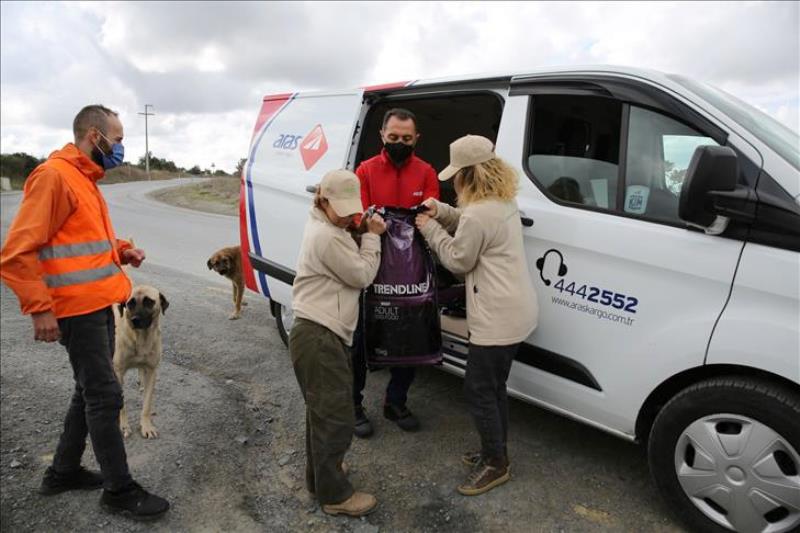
(230, 454)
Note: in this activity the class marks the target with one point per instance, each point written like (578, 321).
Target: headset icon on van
(562, 266)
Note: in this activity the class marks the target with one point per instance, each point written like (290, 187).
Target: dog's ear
(121, 309)
(164, 303)
(208, 264)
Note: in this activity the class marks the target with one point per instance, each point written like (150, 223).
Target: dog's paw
(126, 431)
(149, 430)
(235, 316)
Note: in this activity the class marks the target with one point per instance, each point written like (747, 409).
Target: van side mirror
(712, 172)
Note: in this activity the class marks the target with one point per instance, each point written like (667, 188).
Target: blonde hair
(491, 179)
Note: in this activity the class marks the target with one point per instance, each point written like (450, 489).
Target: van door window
(658, 154)
(574, 149)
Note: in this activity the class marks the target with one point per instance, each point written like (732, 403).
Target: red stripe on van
(269, 106)
(247, 268)
(385, 86)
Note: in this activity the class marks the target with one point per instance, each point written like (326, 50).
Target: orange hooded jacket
(61, 254)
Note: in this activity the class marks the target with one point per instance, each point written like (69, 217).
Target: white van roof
(652, 75)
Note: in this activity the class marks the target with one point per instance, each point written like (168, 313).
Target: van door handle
(527, 222)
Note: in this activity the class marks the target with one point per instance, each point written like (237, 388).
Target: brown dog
(138, 345)
(228, 262)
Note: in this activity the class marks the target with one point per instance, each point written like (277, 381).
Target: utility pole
(146, 142)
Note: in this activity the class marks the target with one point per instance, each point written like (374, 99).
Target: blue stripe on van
(251, 205)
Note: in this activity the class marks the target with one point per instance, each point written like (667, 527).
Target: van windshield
(778, 137)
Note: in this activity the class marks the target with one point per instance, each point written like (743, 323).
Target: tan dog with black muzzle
(228, 262)
(138, 345)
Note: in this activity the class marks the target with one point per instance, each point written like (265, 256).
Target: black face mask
(398, 152)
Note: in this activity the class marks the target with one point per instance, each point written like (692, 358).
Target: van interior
(441, 119)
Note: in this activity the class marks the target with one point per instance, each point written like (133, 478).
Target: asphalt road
(230, 455)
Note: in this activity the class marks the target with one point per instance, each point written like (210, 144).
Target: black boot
(363, 428)
(81, 479)
(400, 415)
(135, 503)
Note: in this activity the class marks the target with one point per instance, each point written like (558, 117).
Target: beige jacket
(331, 271)
(487, 246)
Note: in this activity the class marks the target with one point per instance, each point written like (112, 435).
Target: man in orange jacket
(62, 260)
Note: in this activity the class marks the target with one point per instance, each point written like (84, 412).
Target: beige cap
(343, 191)
(467, 151)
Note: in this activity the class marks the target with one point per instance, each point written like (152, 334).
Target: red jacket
(385, 185)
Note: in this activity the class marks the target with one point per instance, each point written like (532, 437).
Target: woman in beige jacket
(331, 272)
(483, 239)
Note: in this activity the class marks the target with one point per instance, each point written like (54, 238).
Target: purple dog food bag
(401, 316)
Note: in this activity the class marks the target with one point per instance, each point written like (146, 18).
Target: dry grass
(217, 195)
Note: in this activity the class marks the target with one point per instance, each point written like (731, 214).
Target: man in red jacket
(394, 178)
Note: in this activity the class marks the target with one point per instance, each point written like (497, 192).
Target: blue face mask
(112, 160)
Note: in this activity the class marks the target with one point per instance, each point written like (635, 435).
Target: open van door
(298, 138)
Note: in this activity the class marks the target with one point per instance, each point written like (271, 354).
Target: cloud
(205, 65)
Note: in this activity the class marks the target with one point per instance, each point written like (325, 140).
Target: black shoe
(363, 427)
(402, 416)
(81, 479)
(135, 503)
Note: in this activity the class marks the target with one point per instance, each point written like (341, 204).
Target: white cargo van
(669, 287)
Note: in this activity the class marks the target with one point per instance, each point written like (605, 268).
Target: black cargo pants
(96, 402)
(485, 390)
(322, 365)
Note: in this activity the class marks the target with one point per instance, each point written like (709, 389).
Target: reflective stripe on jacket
(61, 253)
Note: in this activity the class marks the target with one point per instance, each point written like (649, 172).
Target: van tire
(280, 319)
(760, 400)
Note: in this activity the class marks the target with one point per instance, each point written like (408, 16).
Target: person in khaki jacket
(331, 272)
(483, 239)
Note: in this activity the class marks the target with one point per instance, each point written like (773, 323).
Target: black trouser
(95, 405)
(399, 383)
(321, 364)
(485, 390)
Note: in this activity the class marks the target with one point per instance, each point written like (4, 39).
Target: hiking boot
(486, 475)
(81, 479)
(359, 504)
(401, 416)
(363, 428)
(135, 503)
(471, 458)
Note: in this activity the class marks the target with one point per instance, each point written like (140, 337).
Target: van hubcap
(740, 473)
(287, 318)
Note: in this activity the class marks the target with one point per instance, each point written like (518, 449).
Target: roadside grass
(217, 195)
(122, 174)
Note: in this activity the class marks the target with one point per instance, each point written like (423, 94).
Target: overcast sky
(205, 66)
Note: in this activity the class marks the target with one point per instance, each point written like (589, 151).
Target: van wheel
(284, 317)
(724, 454)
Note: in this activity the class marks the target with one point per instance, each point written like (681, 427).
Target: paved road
(173, 237)
(231, 423)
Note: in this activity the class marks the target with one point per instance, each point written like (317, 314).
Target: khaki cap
(467, 151)
(343, 190)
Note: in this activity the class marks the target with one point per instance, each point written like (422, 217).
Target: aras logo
(314, 147)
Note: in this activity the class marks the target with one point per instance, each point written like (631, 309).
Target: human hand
(376, 224)
(421, 220)
(430, 207)
(133, 257)
(45, 327)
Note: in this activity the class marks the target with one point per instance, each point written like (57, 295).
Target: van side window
(658, 154)
(574, 149)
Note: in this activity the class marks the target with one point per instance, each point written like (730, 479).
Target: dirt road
(230, 455)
